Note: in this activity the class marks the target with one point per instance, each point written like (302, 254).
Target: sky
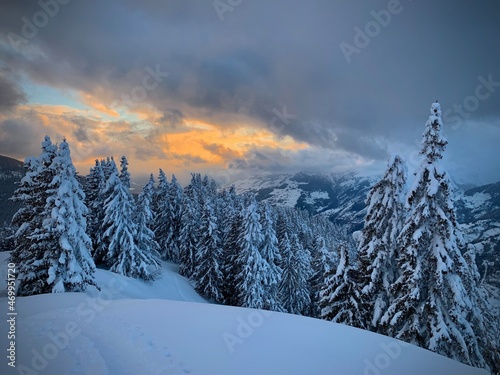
(234, 88)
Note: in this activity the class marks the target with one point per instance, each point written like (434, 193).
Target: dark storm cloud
(268, 55)
(10, 93)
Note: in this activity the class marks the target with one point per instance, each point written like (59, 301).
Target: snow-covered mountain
(479, 211)
(338, 196)
(165, 328)
(341, 197)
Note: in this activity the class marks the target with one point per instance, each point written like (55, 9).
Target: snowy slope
(120, 332)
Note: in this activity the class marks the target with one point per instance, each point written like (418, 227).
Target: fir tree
(270, 253)
(29, 253)
(251, 280)
(124, 256)
(144, 219)
(124, 173)
(101, 248)
(383, 222)
(207, 273)
(431, 304)
(94, 186)
(340, 298)
(55, 255)
(162, 215)
(322, 262)
(294, 287)
(71, 266)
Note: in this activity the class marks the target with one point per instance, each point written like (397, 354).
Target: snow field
(164, 328)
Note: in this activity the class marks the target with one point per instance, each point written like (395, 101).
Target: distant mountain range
(340, 197)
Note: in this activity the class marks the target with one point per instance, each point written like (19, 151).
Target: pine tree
(233, 220)
(188, 239)
(322, 262)
(55, 256)
(270, 253)
(251, 280)
(294, 287)
(145, 238)
(340, 298)
(162, 215)
(101, 248)
(207, 273)
(124, 173)
(29, 251)
(175, 207)
(94, 186)
(124, 256)
(483, 317)
(71, 266)
(377, 248)
(431, 304)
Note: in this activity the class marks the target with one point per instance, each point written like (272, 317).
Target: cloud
(11, 94)
(264, 57)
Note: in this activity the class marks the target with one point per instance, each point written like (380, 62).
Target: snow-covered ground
(166, 328)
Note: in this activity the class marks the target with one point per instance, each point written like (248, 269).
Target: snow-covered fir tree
(124, 173)
(233, 219)
(484, 318)
(144, 218)
(32, 193)
(175, 198)
(270, 252)
(93, 188)
(123, 255)
(340, 297)
(377, 249)
(432, 306)
(163, 211)
(101, 248)
(323, 260)
(294, 288)
(56, 256)
(251, 281)
(71, 267)
(207, 273)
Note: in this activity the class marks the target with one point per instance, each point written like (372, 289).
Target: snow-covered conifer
(207, 273)
(323, 260)
(431, 306)
(94, 186)
(71, 266)
(377, 249)
(145, 238)
(270, 252)
(253, 269)
(123, 255)
(294, 287)
(124, 173)
(340, 298)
